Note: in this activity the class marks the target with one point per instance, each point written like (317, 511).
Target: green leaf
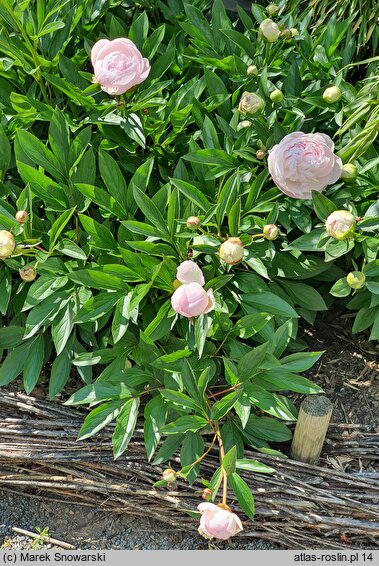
(277, 380)
(60, 370)
(254, 466)
(99, 417)
(193, 194)
(224, 405)
(250, 324)
(45, 312)
(58, 227)
(69, 248)
(10, 336)
(337, 248)
(340, 288)
(268, 428)
(151, 212)
(270, 303)
(101, 236)
(5, 153)
(34, 363)
(180, 399)
(275, 405)
(96, 307)
(251, 362)
(61, 327)
(244, 496)
(154, 419)
(322, 205)
(38, 153)
(112, 177)
(94, 393)
(229, 461)
(304, 295)
(215, 157)
(184, 424)
(300, 361)
(125, 424)
(168, 448)
(192, 449)
(14, 362)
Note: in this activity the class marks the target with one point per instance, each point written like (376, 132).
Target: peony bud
(206, 494)
(260, 154)
(169, 475)
(276, 96)
(270, 232)
(243, 124)
(349, 172)
(356, 279)
(22, 216)
(272, 10)
(193, 223)
(216, 522)
(7, 244)
(286, 34)
(269, 30)
(28, 273)
(332, 94)
(252, 71)
(232, 251)
(294, 32)
(340, 224)
(251, 103)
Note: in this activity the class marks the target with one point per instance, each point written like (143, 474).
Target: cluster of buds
(356, 279)
(231, 251)
(7, 244)
(340, 225)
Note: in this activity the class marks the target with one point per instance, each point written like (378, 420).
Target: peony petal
(97, 47)
(189, 272)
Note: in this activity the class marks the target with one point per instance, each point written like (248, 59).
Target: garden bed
(332, 505)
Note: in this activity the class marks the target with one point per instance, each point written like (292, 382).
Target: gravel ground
(88, 528)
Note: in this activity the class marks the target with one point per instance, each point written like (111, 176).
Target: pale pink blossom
(118, 65)
(216, 522)
(192, 300)
(189, 272)
(302, 163)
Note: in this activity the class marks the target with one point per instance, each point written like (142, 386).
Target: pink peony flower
(192, 300)
(189, 272)
(216, 522)
(118, 65)
(302, 163)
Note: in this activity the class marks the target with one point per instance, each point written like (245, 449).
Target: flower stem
(222, 454)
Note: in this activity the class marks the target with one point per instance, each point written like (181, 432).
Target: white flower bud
(169, 475)
(269, 30)
(332, 95)
(356, 279)
(28, 273)
(193, 222)
(276, 96)
(252, 71)
(270, 232)
(340, 224)
(22, 216)
(7, 244)
(349, 172)
(251, 103)
(231, 251)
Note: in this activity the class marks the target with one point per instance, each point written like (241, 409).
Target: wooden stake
(312, 425)
(44, 538)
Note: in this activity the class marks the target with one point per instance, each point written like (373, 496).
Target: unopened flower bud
(332, 95)
(272, 10)
(231, 251)
(349, 172)
(340, 224)
(276, 96)
(270, 232)
(22, 216)
(243, 124)
(260, 154)
(269, 30)
(193, 222)
(252, 71)
(169, 475)
(7, 244)
(356, 279)
(251, 103)
(294, 32)
(286, 34)
(206, 494)
(28, 273)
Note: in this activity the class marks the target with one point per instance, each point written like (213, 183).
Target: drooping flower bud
(193, 222)
(169, 475)
(270, 232)
(252, 71)
(260, 154)
(269, 30)
(28, 273)
(216, 522)
(206, 494)
(243, 124)
(332, 95)
(272, 10)
(340, 224)
(276, 96)
(22, 216)
(251, 103)
(7, 244)
(349, 172)
(356, 279)
(231, 251)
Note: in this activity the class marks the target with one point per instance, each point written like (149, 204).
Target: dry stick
(311, 427)
(44, 538)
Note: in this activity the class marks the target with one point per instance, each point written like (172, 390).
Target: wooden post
(311, 427)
